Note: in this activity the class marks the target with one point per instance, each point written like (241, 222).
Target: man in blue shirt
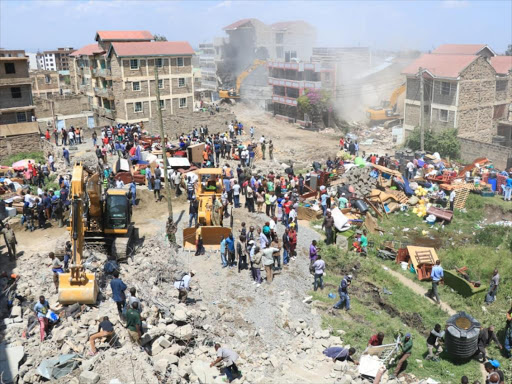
(437, 276)
(133, 192)
(118, 295)
(65, 154)
(343, 292)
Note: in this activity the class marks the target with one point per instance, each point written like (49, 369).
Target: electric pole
(170, 226)
(422, 109)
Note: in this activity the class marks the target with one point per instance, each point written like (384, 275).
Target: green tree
(158, 37)
(444, 142)
(508, 52)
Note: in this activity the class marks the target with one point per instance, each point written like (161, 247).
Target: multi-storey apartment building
(47, 83)
(118, 75)
(208, 65)
(16, 104)
(57, 60)
(290, 80)
(468, 89)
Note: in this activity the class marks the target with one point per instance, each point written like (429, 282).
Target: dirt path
(418, 289)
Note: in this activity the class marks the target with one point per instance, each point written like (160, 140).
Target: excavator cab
(209, 184)
(117, 212)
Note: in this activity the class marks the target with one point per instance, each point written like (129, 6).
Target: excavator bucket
(211, 237)
(78, 293)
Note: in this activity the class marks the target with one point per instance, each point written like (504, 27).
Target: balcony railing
(103, 92)
(284, 100)
(102, 111)
(101, 72)
(295, 83)
(85, 88)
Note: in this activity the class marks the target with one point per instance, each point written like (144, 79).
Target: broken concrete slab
(10, 358)
(204, 372)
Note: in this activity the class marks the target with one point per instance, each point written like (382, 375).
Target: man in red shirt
(287, 208)
(376, 340)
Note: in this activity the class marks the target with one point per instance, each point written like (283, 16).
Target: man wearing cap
(183, 286)
(494, 375)
(406, 349)
(343, 292)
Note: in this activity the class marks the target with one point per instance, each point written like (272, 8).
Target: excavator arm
(77, 286)
(395, 95)
(240, 79)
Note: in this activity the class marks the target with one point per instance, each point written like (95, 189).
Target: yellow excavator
(98, 219)
(234, 94)
(388, 110)
(209, 184)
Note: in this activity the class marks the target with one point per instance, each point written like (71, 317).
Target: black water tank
(361, 206)
(461, 337)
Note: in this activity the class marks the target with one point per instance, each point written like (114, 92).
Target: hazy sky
(33, 25)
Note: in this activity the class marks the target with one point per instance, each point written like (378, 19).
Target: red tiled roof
(124, 35)
(153, 48)
(87, 50)
(440, 65)
(502, 64)
(459, 49)
(286, 24)
(237, 24)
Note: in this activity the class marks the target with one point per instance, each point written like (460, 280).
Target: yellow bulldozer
(234, 94)
(98, 218)
(209, 185)
(388, 110)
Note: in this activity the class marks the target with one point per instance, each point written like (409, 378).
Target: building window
(279, 38)
(137, 107)
(16, 93)
(446, 88)
(21, 117)
(279, 52)
(159, 63)
(443, 114)
(10, 68)
(181, 82)
(180, 62)
(183, 102)
(136, 86)
(160, 83)
(134, 64)
(47, 79)
(162, 104)
(501, 85)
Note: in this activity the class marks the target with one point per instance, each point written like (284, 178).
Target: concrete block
(89, 377)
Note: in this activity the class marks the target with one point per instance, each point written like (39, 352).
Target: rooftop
(153, 48)
(502, 64)
(88, 50)
(30, 127)
(237, 24)
(448, 66)
(460, 49)
(124, 36)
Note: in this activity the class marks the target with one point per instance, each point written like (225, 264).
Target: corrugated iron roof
(459, 49)
(153, 48)
(449, 66)
(87, 50)
(124, 35)
(502, 64)
(237, 24)
(27, 128)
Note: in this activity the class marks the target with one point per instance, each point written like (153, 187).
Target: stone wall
(73, 109)
(437, 124)
(472, 149)
(412, 115)
(20, 143)
(477, 124)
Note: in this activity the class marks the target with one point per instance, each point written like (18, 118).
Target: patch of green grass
(37, 156)
(368, 317)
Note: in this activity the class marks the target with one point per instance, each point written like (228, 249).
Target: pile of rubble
(360, 179)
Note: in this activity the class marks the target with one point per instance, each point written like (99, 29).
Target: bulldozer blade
(211, 237)
(85, 293)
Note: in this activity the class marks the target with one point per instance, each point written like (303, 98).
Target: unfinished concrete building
(48, 83)
(471, 92)
(16, 103)
(118, 76)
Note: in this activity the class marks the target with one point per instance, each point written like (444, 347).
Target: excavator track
(122, 247)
